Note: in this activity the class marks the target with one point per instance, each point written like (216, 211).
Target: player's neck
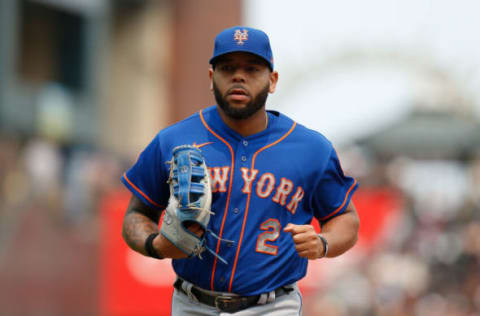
(254, 124)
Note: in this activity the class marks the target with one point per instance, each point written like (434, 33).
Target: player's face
(241, 83)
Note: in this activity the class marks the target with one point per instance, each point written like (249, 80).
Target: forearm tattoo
(137, 226)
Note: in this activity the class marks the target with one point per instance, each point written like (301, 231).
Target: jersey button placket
(242, 152)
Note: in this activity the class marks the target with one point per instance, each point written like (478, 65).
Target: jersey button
(245, 143)
(244, 158)
(230, 244)
(235, 210)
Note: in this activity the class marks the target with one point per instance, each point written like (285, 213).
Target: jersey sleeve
(334, 190)
(148, 176)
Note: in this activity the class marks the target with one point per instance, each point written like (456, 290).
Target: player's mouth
(238, 94)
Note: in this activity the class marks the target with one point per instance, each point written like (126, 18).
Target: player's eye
(226, 67)
(253, 69)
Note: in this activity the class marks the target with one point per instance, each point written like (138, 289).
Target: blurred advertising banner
(380, 211)
(132, 284)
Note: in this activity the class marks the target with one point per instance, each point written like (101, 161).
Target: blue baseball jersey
(287, 173)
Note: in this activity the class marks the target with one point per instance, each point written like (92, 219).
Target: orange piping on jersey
(228, 195)
(344, 201)
(201, 145)
(141, 192)
(248, 202)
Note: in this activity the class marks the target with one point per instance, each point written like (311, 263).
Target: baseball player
(269, 176)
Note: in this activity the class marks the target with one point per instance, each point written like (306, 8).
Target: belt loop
(271, 297)
(187, 287)
(263, 299)
(266, 298)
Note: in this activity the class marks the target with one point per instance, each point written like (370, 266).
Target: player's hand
(195, 228)
(307, 243)
(168, 250)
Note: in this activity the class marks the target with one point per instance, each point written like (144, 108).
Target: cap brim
(214, 59)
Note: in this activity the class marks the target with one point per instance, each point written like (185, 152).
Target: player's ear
(210, 75)
(273, 81)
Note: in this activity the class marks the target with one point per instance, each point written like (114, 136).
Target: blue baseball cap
(243, 39)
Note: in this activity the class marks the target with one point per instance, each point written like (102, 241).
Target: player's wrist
(149, 247)
(324, 243)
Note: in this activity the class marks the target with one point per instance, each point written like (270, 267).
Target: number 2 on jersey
(272, 230)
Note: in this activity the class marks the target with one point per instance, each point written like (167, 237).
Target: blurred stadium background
(84, 86)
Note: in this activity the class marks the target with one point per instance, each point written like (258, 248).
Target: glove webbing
(203, 246)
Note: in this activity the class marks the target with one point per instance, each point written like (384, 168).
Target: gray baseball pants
(286, 305)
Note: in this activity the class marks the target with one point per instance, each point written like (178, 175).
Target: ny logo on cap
(240, 36)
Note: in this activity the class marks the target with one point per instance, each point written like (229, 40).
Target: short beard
(240, 114)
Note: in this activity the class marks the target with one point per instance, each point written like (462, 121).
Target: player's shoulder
(190, 121)
(186, 131)
(303, 134)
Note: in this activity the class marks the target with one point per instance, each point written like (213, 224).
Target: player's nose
(238, 75)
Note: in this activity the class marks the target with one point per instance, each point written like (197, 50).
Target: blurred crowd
(62, 181)
(428, 263)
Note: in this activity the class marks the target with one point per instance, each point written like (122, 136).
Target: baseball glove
(190, 201)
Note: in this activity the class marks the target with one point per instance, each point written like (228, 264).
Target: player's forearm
(139, 222)
(341, 232)
(136, 229)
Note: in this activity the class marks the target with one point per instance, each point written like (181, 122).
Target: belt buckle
(222, 302)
